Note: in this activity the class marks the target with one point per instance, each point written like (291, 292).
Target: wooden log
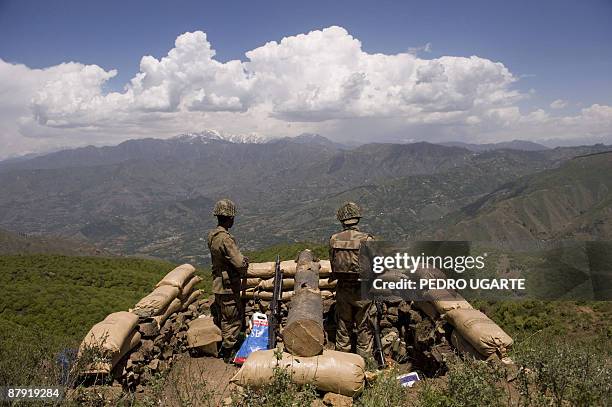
(303, 335)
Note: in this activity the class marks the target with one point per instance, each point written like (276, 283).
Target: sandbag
(443, 306)
(266, 270)
(289, 268)
(261, 270)
(110, 334)
(256, 294)
(442, 300)
(178, 277)
(173, 307)
(188, 288)
(253, 282)
(203, 333)
(106, 366)
(288, 284)
(427, 308)
(191, 299)
(480, 331)
(337, 372)
(464, 346)
(156, 302)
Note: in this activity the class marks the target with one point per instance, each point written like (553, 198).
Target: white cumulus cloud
(558, 104)
(321, 81)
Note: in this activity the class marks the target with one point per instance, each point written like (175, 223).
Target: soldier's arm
(233, 255)
(331, 255)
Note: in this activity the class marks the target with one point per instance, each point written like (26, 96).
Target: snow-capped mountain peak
(208, 136)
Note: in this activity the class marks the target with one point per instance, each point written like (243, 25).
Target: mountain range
(154, 197)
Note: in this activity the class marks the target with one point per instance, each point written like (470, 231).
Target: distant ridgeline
(133, 199)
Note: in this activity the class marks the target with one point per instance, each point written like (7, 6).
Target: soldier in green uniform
(228, 268)
(352, 311)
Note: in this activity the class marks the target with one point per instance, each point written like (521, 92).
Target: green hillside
(20, 243)
(569, 202)
(61, 297)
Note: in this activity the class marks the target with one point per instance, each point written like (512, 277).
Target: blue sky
(557, 49)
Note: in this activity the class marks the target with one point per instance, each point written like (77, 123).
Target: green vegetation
(523, 319)
(49, 302)
(61, 296)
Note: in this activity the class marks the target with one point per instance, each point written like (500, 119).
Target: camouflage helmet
(224, 207)
(349, 213)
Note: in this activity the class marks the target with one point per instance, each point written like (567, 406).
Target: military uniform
(352, 311)
(228, 267)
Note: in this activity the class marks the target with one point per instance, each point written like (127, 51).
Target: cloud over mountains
(322, 81)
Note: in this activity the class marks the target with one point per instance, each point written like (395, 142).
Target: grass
(49, 302)
(62, 296)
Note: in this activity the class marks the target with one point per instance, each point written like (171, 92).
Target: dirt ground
(202, 381)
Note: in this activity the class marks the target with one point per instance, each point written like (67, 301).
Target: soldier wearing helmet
(228, 267)
(352, 311)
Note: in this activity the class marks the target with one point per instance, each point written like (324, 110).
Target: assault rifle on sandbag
(275, 306)
(378, 352)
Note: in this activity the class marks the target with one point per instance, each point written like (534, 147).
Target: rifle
(378, 352)
(275, 305)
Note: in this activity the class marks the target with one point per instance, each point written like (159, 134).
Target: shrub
(385, 391)
(559, 371)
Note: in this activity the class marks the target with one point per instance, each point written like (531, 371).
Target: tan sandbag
(266, 270)
(443, 306)
(107, 365)
(156, 302)
(188, 288)
(338, 372)
(173, 307)
(261, 270)
(480, 331)
(289, 268)
(464, 346)
(203, 332)
(256, 294)
(178, 277)
(288, 284)
(325, 284)
(428, 309)
(192, 298)
(110, 334)
(442, 300)
(253, 282)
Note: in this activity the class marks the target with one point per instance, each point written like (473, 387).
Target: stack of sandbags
(260, 280)
(438, 302)
(178, 276)
(256, 294)
(266, 270)
(476, 329)
(156, 302)
(108, 341)
(289, 283)
(337, 372)
(175, 292)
